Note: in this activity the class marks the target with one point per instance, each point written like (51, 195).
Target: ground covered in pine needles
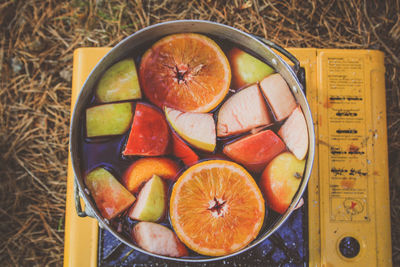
(36, 47)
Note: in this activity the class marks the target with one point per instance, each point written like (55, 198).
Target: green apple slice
(108, 119)
(151, 202)
(110, 196)
(119, 82)
(246, 69)
(198, 129)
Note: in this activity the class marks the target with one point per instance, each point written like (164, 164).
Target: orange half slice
(216, 208)
(186, 71)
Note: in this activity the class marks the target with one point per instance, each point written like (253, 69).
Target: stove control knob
(349, 247)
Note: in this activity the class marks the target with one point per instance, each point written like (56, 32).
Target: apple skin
(108, 119)
(295, 134)
(149, 134)
(256, 150)
(280, 181)
(158, 239)
(150, 205)
(183, 151)
(246, 69)
(197, 129)
(143, 169)
(119, 82)
(110, 196)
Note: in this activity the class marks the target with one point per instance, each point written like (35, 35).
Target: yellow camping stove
(346, 219)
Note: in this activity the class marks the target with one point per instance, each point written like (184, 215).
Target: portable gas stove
(346, 217)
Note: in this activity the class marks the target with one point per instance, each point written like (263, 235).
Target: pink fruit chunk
(255, 151)
(149, 134)
(277, 92)
(158, 239)
(294, 133)
(110, 196)
(242, 112)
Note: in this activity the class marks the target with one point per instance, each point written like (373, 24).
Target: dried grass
(37, 41)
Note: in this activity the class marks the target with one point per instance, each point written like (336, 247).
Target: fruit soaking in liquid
(192, 146)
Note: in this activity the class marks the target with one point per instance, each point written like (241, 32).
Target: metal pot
(258, 47)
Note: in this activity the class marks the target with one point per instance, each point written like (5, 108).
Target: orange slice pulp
(186, 71)
(216, 208)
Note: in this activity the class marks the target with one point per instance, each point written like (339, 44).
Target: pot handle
(78, 205)
(299, 71)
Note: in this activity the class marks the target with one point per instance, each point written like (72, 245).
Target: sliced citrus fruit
(185, 71)
(144, 168)
(216, 208)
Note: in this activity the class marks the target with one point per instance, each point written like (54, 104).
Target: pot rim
(106, 60)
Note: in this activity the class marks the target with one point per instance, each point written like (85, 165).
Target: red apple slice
(256, 150)
(183, 151)
(294, 133)
(149, 134)
(158, 239)
(110, 196)
(198, 129)
(280, 181)
(242, 112)
(277, 92)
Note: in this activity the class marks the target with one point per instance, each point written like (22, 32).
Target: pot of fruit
(192, 141)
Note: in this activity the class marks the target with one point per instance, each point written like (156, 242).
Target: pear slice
(198, 129)
(151, 201)
(108, 119)
(119, 82)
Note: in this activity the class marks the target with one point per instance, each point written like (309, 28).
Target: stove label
(347, 131)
